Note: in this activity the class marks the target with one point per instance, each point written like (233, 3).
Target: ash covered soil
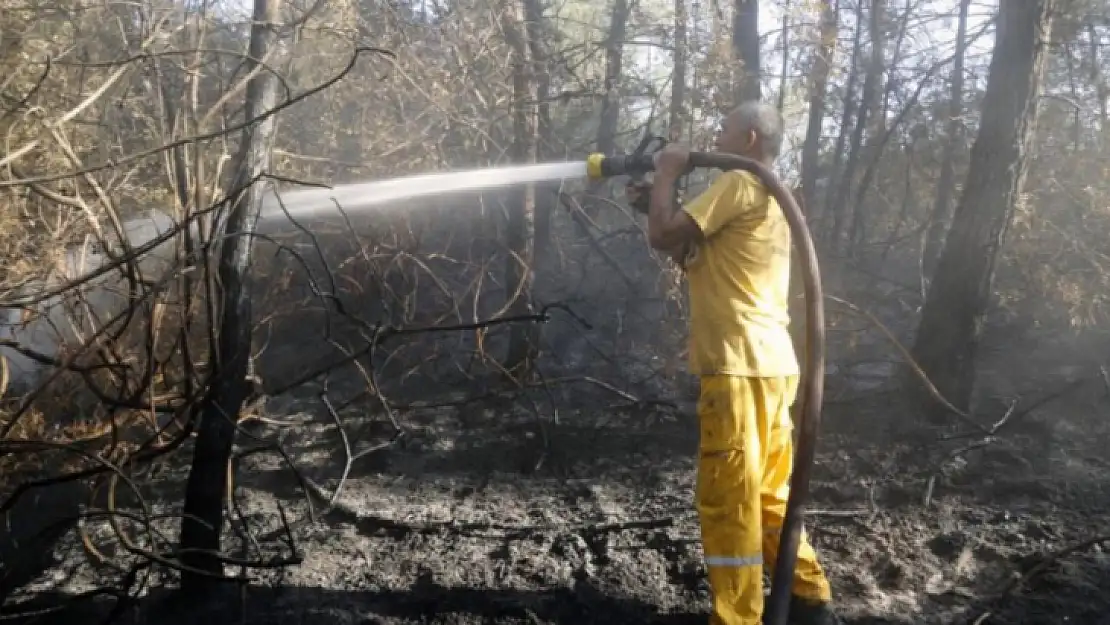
(497, 511)
(482, 517)
(570, 502)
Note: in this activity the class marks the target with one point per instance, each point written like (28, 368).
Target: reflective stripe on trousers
(734, 562)
(745, 457)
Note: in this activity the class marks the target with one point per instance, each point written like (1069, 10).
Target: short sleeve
(730, 196)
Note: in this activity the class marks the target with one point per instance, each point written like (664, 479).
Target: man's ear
(752, 138)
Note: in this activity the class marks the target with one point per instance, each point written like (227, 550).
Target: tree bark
(818, 86)
(871, 101)
(677, 121)
(521, 232)
(610, 104)
(825, 230)
(545, 133)
(206, 489)
(1093, 45)
(745, 50)
(942, 210)
(959, 295)
(784, 69)
(878, 135)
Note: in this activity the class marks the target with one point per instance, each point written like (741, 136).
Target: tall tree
(959, 295)
(870, 108)
(878, 135)
(611, 99)
(850, 104)
(678, 111)
(538, 47)
(1094, 44)
(784, 71)
(745, 50)
(614, 66)
(206, 490)
(520, 237)
(942, 210)
(818, 86)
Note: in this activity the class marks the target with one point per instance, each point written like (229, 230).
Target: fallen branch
(979, 444)
(909, 360)
(1018, 582)
(991, 434)
(1012, 415)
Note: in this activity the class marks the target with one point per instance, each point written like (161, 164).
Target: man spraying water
(733, 243)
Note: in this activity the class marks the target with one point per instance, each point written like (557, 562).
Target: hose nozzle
(635, 165)
(600, 166)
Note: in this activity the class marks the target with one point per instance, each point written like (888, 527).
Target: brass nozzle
(593, 166)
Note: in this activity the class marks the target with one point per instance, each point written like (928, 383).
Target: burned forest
(312, 314)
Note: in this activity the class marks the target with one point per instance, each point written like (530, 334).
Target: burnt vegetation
(472, 407)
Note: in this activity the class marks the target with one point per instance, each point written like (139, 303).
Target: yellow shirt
(739, 281)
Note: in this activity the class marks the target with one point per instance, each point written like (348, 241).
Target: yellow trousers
(744, 464)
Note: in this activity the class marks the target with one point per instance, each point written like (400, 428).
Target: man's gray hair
(766, 121)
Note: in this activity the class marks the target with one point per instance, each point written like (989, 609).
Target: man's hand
(638, 193)
(672, 161)
(678, 254)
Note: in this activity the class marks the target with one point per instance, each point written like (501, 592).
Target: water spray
(642, 161)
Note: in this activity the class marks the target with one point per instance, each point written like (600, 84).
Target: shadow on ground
(1060, 598)
(480, 441)
(425, 603)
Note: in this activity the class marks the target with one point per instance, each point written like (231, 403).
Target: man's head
(752, 129)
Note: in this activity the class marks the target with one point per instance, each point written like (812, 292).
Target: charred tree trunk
(878, 135)
(521, 232)
(1073, 91)
(745, 50)
(818, 85)
(206, 489)
(614, 68)
(959, 295)
(677, 121)
(850, 105)
(1094, 42)
(541, 62)
(611, 101)
(871, 100)
(942, 210)
(785, 67)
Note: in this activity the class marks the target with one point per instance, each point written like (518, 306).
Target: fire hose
(642, 161)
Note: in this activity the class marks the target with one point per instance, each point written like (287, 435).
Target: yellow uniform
(740, 346)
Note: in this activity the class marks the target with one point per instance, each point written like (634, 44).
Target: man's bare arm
(669, 230)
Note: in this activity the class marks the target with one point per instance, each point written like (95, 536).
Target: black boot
(811, 612)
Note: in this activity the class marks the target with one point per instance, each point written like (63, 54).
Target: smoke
(42, 329)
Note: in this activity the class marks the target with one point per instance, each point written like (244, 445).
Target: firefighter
(733, 244)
